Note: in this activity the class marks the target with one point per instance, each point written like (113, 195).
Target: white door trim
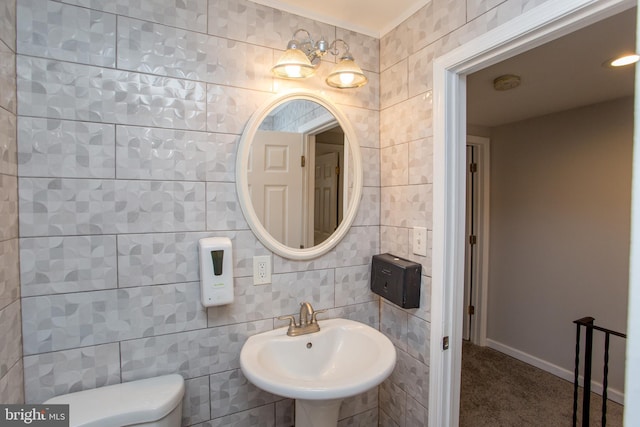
(539, 25)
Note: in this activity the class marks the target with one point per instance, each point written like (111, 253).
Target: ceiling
(371, 17)
(562, 74)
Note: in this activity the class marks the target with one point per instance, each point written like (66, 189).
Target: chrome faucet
(305, 326)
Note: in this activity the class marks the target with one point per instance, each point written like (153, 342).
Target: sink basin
(343, 359)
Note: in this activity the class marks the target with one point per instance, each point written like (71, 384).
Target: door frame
(533, 28)
(480, 292)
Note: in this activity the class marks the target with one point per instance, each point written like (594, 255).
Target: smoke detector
(506, 82)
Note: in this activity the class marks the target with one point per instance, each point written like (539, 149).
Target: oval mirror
(299, 175)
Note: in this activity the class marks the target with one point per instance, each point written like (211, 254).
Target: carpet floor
(500, 391)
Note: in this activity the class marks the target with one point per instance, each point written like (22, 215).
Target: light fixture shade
(346, 74)
(293, 64)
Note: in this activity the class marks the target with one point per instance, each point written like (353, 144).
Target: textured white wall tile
(412, 376)
(365, 123)
(52, 374)
(367, 313)
(51, 265)
(369, 210)
(162, 154)
(12, 385)
(154, 194)
(8, 23)
(476, 8)
(231, 392)
(365, 49)
(418, 335)
(394, 324)
(363, 419)
(358, 246)
(285, 413)
(170, 154)
(8, 144)
(250, 303)
(356, 404)
(62, 148)
(394, 165)
(223, 208)
(8, 207)
(229, 108)
(190, 354)
(407, 206)
(435, 20)
(58, 31)
(189, 14)
(421, 161)
(247, 21)
(168, 51)
(53, 206)
(393, 404)
(282, 265)
(370, 166)
(290, 289)
(395, 240)
(395, 129)
(11, 352)
(444, 17)
(394, 46)
(353, 286)
(420, 70)
(196, 404)
(417, 414)
(156, 258)
(394, 84)
(7, 77)
(88, 318)
(65, 321)
(9, 272)
(258, 417)
(48, 88)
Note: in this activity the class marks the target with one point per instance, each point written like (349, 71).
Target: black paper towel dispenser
(396, 279)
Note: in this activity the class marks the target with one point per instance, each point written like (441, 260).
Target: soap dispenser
(216, 271)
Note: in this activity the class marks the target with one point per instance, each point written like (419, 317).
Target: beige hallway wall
(560, 206)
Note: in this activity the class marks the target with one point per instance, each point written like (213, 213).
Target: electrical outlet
(420, 241)
(261, 269)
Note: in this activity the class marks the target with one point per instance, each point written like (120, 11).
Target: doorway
(546, 22)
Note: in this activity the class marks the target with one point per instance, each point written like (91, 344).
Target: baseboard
(612, 393)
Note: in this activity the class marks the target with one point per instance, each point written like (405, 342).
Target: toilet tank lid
(123, 404)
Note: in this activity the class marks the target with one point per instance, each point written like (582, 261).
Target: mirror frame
(242, 184)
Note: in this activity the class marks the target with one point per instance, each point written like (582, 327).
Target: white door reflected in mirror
(298, 175)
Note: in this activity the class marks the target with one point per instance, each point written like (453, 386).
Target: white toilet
(154, 402)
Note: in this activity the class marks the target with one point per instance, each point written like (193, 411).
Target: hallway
(500, 391)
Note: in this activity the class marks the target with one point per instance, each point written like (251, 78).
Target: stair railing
(587, 322)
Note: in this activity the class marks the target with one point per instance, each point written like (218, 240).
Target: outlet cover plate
(261, 269)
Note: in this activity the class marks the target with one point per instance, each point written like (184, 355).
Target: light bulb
(346, 78)
(293, 71)
(625, 60)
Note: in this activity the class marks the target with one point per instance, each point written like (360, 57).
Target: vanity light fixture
(303, 56)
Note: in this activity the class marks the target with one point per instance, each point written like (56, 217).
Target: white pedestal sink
(343, 359)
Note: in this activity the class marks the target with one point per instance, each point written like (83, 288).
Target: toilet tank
(154, 402)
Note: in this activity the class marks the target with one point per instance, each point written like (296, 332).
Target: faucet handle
(290, 318)
(314, 314)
